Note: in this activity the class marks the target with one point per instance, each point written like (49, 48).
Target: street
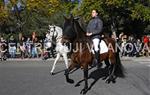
(32, 77)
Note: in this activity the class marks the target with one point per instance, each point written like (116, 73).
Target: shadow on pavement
(96, 75)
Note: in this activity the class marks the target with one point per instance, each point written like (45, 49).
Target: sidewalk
(31, 59)
(61, 59)
(136, 58)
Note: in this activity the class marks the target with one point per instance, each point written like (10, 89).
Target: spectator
(38, 47)
(123, 46)
(131, 47)
(28, 47)
(23, 50)
(146, 40)
(48, 36)
(48, 46)
(146, 44)
(121, 36)
(3, 49)
(34, 52)
(33, 36)
(138, 47)
(12, 47)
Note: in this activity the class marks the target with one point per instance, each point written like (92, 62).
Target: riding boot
(97, 57)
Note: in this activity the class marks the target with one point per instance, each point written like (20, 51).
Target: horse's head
(72, 29)
(52, 28)
(68, 29)
(53, 33)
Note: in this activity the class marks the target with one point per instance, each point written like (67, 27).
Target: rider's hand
(88, 34)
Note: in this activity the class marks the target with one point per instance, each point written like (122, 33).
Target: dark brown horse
(82, 57)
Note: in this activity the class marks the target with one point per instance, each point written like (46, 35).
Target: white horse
(61, 49)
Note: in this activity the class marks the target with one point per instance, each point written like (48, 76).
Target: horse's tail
(119, 69)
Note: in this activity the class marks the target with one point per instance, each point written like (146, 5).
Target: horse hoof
(70, 81)
(52, 73)
(65, 73)
(104, 78)
(113, 81)
(77, 85)
(107, 81)
(84, 91)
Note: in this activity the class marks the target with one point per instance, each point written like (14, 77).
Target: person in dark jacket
(94, 30)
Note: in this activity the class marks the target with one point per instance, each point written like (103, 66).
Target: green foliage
(109, 8)
(141, 12)
(46, 7)
(3, 13)
(124, 15)
(38, 14)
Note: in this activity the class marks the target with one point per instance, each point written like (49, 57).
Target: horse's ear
(65, 17)
(49, 26)
(71, 16)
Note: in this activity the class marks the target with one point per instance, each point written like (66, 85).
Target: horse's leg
(111, 70)
(107, 63)
(65, 59)
(85, 89)
(52, 52)
(71, 67)
(54, 65)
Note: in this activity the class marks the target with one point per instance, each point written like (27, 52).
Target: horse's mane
(81, 30)
(82, 24)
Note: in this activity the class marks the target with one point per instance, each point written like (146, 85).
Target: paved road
(22, 77)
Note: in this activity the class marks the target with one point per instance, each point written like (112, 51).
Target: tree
(45, 7)
(116, 13)
(3, 13)
(28, 15)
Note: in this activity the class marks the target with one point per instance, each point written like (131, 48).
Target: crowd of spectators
(32, 47)
(26, 47)
(134, 47)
